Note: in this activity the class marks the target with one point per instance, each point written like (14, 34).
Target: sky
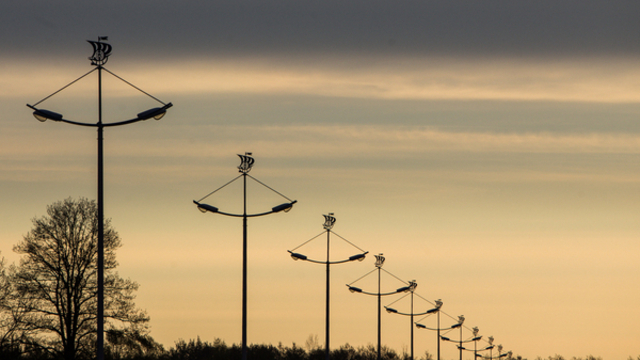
(488, 149)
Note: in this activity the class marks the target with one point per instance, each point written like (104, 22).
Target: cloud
(382, 141)
(595, 80)
(215, 28)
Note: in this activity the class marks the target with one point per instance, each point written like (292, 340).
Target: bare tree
(56, 282)
(8, 323)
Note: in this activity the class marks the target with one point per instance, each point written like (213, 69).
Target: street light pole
(100, 339)
(245, 166)
(461, 340)
(412, 287)
(101, 52)
(328, 225)
(379, 261)
(329, 221)
(244, 265)
(436, 310)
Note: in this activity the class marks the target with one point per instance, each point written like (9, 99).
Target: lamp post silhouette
(412, 287)
(461, 340)
(490, 347)
(245, 166)
(491, 344)
(101, 53)
(437, 311)
(329, 221)
(475, 340)
(378, 264)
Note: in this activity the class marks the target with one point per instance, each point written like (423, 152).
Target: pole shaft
(411, 324)
(461, 343)
(379, 317)
(100, 260)
(326, 351)
(244, 272)
(439, 335)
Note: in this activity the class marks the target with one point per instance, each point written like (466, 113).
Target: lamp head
(358, 257)
(420, 326)
(354, 289)
(156, 113)
(296, 256)
(391, 310)
(44, 115)
(284, 207)
(205, 207)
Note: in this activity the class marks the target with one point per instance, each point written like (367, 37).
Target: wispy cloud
(418, 78)
(321, 141)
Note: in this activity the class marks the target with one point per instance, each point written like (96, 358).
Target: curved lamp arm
(354, 289)
(44, 115)
(297, 256)
(467, 341)
(394, 311)
(420, 326)
(460, 341)
(209, 208)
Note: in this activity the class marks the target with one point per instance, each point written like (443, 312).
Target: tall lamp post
(412, 287)
(488, 347)
(462, 340)
(500, 354)
(329, 221)
(101, 52)
(245, 166)
(437, 311)
(378, 264)
(475, 340)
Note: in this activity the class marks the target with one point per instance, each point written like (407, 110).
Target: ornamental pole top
(246, 162)
(329, 221)
(101, 51)
(439, 303)
(412, 285)
(379, 260)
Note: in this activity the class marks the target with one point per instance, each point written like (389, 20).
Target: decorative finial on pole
(412, 285)
(101, 51)
(329, 220)
(379, 260)
(246, 162)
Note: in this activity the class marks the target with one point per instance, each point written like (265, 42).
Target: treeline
(216, 350)
(219, 350)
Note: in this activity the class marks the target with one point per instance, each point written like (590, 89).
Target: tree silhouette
(56, 282)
